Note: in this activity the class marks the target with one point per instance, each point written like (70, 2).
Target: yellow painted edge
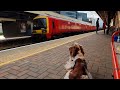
(38, 31)
(47, 20)
(4, 63)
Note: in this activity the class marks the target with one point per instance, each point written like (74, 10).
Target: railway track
(14, 43)
(27, 41)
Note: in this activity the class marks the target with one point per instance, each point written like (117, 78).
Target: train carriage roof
(58, 16)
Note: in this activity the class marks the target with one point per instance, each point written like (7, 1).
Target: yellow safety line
(4, 63)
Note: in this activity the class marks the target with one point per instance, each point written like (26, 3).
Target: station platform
(3, 39)
(46, 60)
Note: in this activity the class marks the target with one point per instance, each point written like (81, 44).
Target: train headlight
(44, 31)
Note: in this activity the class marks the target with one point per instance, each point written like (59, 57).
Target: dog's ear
(69, 48)
(81, 48)
(73, 51)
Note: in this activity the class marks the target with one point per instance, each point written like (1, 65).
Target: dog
(76, 66)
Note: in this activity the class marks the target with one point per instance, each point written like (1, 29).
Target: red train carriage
(48, 26)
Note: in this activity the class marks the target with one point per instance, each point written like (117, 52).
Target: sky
(93, 14)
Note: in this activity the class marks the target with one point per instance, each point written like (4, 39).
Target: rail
(116, 70)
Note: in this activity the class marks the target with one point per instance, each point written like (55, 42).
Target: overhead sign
(23, 27)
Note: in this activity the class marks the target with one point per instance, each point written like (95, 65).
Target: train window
(39, 23)
(53, 24)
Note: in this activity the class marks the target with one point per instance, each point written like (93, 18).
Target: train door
(53, 27)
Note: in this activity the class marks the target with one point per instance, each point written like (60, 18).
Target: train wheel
(83, 31)
(43, 38)
(36, 38)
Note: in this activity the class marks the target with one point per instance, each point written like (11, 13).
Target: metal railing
(116, 70)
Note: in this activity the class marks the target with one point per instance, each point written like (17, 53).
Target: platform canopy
(112, 18)
(16, 15)
(6, 19)
(106, 14)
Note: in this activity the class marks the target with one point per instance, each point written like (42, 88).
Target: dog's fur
(76, 65)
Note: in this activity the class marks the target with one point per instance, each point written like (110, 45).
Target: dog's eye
(71, 60)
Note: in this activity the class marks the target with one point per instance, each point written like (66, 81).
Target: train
(48, 26)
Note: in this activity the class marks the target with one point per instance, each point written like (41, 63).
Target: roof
(59, 16)
(104, 14)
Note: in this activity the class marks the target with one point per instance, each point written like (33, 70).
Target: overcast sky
(91, 14)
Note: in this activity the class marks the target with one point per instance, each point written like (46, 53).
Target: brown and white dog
(76, 66)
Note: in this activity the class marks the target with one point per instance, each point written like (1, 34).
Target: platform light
(2, 37)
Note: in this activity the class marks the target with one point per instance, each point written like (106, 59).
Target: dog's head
(76, 49)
